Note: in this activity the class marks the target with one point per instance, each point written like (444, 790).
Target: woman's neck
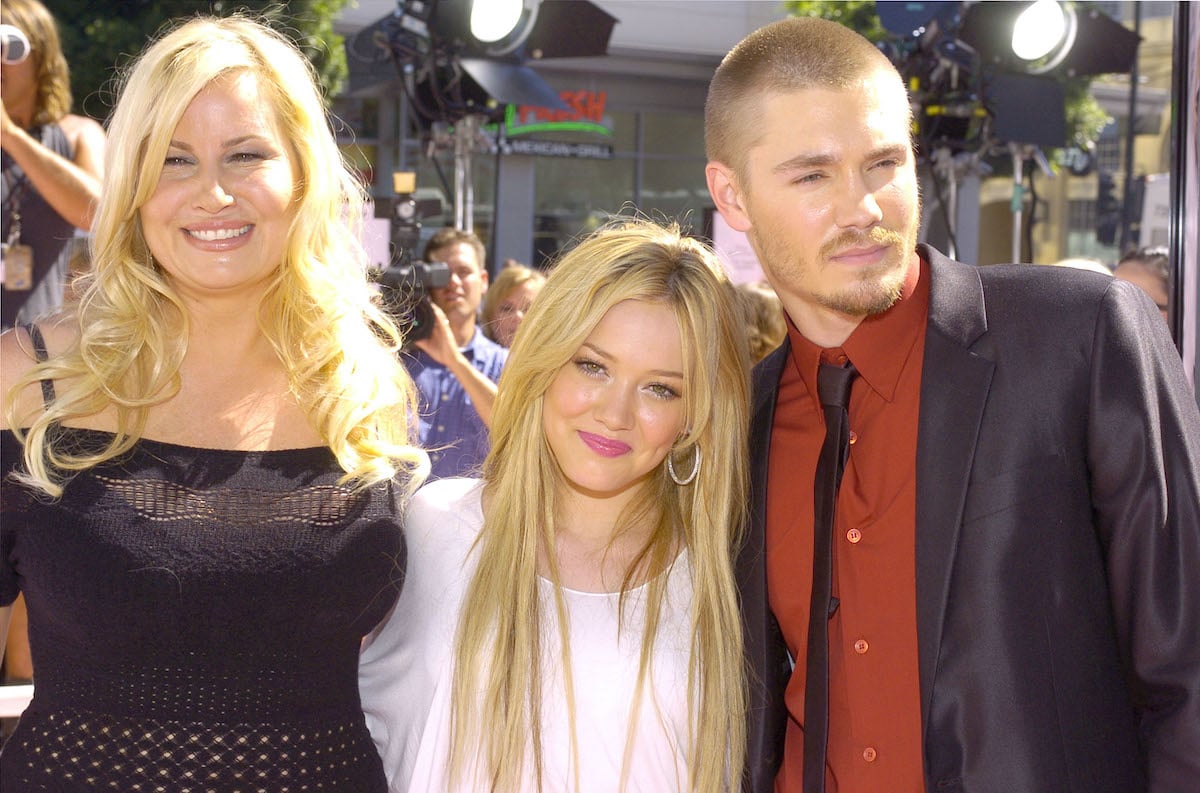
(594, 550)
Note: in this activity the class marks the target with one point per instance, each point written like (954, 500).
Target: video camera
(404, 284)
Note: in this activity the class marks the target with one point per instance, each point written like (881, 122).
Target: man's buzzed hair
(789, 55)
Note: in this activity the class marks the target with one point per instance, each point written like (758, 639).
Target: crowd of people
(883, 522)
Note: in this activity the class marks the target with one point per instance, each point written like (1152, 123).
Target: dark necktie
(833, 387)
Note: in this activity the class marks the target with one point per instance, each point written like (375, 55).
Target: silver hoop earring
(695, 469)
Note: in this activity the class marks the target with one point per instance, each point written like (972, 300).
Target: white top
(406, 669)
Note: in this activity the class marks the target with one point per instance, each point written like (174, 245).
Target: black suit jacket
(1057, 542)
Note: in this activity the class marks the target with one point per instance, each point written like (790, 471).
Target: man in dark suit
(1016, 539)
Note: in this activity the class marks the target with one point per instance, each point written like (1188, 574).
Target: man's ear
(728, 198)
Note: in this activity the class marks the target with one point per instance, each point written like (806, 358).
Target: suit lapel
(954, 390)
(766, 658)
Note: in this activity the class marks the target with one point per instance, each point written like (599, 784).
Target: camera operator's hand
(440, 344)
(442, 348)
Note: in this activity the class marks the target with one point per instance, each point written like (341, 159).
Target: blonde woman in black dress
(208, 456)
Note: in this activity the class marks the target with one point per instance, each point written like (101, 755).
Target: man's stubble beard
(876, 290)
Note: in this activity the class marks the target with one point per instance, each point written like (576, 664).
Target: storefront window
(575, 196)
(673, 134)
(676, 190)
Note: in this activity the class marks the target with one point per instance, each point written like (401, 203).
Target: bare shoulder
(17, 357)
(88, 141)
(81, 126)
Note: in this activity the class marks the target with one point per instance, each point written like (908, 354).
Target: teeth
(219, 234)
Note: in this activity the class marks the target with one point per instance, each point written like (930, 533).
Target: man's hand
(440, 346)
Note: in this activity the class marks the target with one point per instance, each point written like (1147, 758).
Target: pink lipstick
(605, 447)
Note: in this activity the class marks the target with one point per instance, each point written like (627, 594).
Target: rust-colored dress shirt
(874, 691)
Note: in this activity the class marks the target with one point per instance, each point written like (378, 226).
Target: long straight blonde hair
(498, 648)
(320, 312)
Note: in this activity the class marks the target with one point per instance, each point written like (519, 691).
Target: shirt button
(854, 535)
(853, 437)
(441, 428)
(861, 647)
(869, 754)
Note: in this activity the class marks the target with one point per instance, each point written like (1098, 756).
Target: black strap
(40, 352)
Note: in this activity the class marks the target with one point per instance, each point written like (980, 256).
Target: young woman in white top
(569, 621)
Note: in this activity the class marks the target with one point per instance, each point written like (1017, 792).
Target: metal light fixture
(1047, 37)
(456, 58)
(1043, 34)
(501, 26)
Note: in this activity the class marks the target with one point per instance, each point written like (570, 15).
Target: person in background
(765, 322)
(53, 161)
(1150, 270)
(207, 458)
(570, 620)
(1011, 555)
(457, 367)
(507, 301)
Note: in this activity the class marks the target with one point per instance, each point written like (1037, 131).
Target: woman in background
(507, 301)
(208, 457)
(570, 621)
(52, 163)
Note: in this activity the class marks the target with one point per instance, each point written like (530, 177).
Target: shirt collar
(468, 349)
(879, 346)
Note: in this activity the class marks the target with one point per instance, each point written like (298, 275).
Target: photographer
(52, 161)
(456, 367)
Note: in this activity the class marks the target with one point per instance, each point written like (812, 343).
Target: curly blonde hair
(320, 312)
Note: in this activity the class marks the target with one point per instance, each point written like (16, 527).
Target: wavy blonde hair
(498, 646)
(320, 312)
(53, 76)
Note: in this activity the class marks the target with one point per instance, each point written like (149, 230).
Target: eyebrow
(229, 144)
(803, 161)
(608, 356)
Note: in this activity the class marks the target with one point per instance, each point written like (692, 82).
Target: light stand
(468, 136)
(1019, 152)
(942, 163)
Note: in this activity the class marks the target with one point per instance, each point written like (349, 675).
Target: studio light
(1043, 34)
(457, 58)
(1047, 37)
(501, 26)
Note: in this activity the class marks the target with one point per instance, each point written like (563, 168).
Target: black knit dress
(195, 618)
